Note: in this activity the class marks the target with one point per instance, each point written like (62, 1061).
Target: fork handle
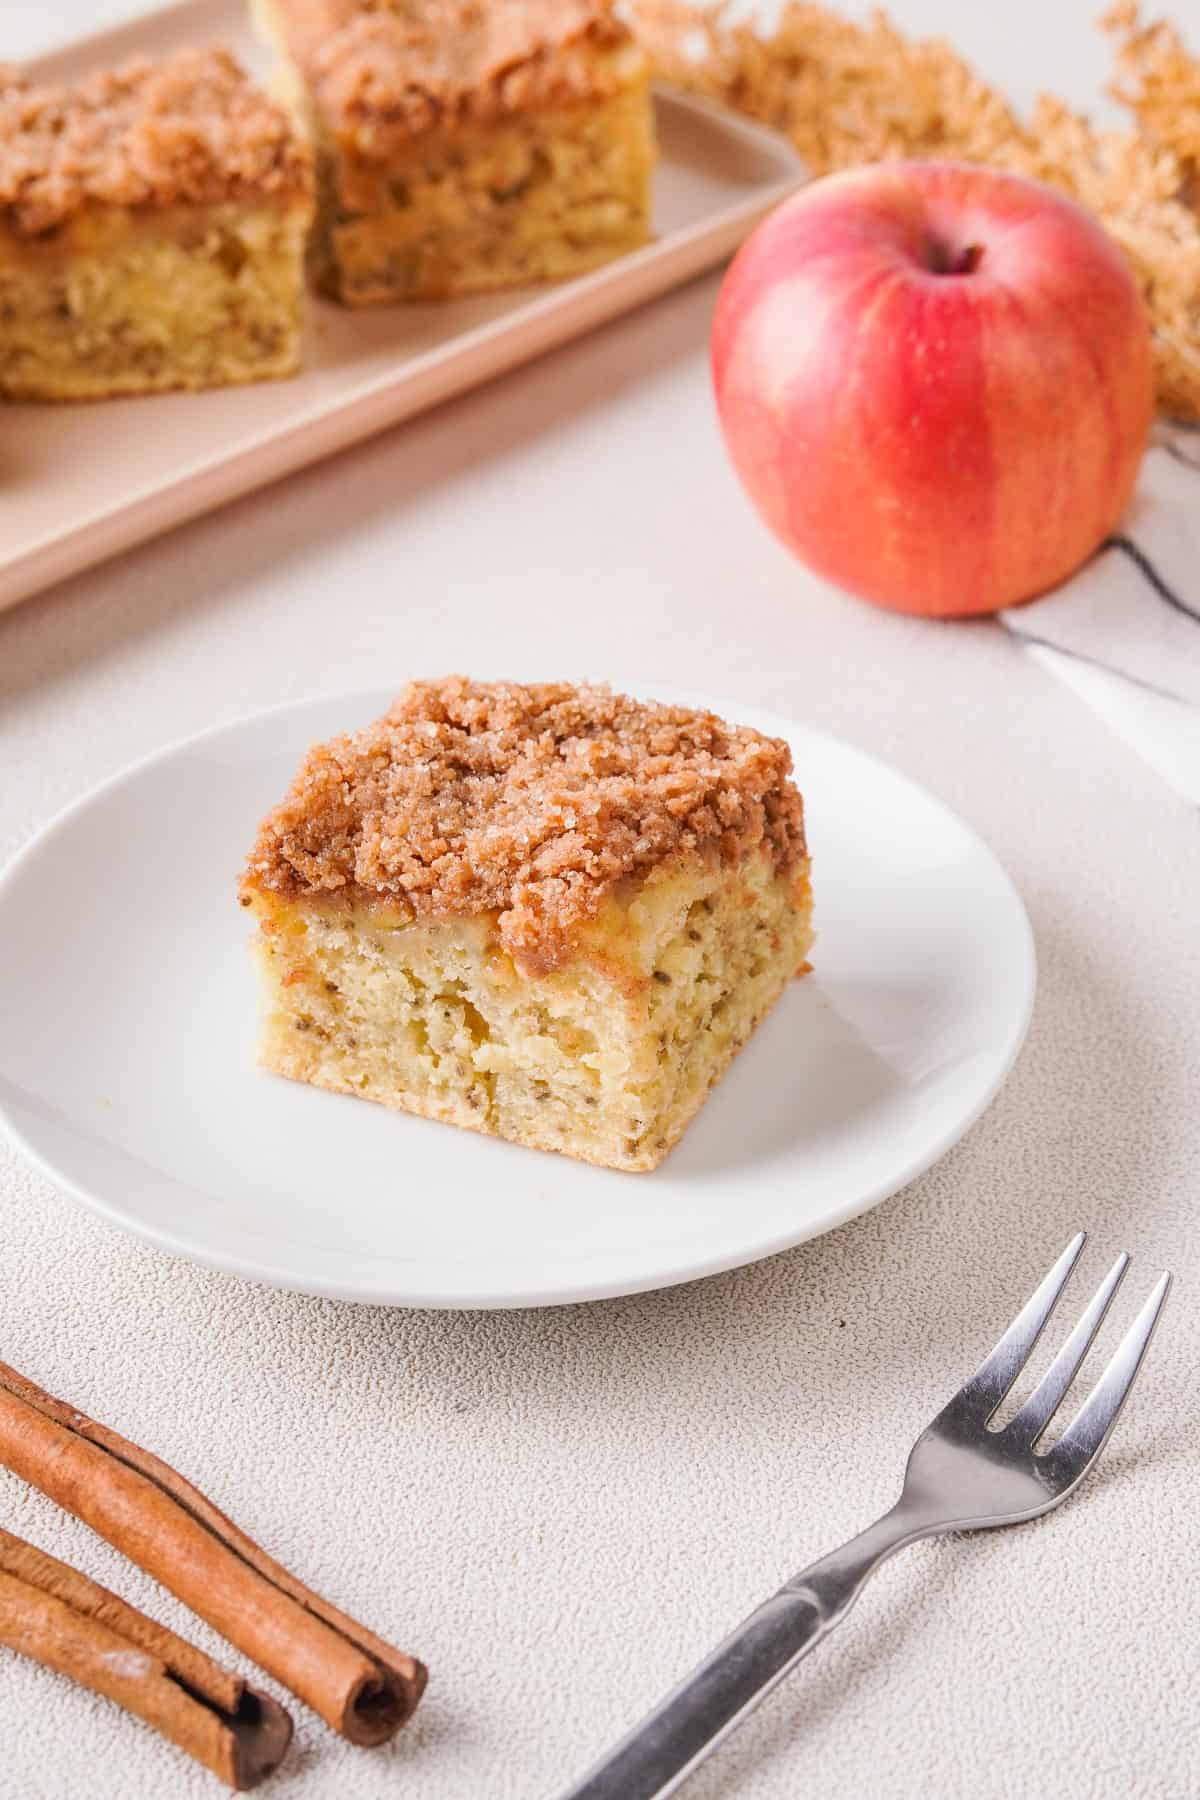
(674, 1739)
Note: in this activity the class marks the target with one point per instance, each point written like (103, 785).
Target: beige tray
(80, 483)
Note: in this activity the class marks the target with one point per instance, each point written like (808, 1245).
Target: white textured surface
(561, 1510)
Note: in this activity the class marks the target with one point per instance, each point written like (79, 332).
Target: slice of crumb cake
(550, 912)
(153, 220)
(467, 145)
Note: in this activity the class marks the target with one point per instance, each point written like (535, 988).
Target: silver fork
(961, 1476)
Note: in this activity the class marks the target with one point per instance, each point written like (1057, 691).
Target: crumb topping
(531, 803)
(384, 71)
(192, 129)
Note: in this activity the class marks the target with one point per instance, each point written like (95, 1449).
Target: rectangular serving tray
(81, 482)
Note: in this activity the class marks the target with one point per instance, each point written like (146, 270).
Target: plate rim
(581, 1292)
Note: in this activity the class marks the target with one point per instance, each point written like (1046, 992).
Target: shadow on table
(90, 617)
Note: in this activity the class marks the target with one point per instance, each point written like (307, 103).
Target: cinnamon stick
(359, 1684)
(52, 1613)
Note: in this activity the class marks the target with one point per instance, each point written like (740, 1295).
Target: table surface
(561, 1510)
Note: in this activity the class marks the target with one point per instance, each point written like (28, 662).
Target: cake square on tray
(467, 145)
(551, 913)
(152, 228)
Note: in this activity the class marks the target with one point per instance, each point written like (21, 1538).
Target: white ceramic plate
(82, 482)
(127, 1051)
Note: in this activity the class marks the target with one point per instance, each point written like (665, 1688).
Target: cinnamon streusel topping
(531, 803)
(383, 71)
(190, 130)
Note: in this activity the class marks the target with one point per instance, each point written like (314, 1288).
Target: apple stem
(945, 261)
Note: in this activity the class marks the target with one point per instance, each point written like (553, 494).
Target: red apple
(935, 382)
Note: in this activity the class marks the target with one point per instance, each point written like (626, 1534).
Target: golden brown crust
(385, 71)
(529, 803)
(189, 130)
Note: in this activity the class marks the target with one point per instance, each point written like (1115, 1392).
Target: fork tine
(1088, 1431)
(1036, 1413)
(996, 1374)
